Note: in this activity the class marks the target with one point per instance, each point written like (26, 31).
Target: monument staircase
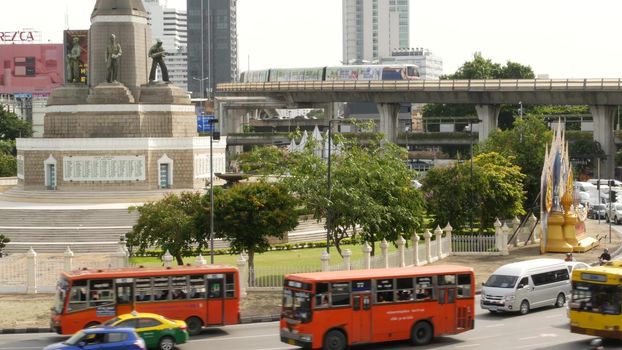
(89, 222)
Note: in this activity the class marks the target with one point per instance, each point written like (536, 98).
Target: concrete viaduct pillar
(603, 134)
(489, 115)
(230, 119)
(388, 120)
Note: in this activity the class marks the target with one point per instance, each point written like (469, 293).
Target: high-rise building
(170, 26)
(212, 45)
(372, 29)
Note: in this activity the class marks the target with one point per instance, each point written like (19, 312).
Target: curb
(25, 330)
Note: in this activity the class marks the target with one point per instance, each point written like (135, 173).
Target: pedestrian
(604, 257)
(569, 257)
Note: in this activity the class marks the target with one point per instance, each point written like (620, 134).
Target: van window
(524, 281)
(501, 281)
(550, 277)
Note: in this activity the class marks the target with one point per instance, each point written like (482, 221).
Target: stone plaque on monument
(114, 168)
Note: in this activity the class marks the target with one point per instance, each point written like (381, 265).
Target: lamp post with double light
(201, 84)
(212, 123)
(328, 209)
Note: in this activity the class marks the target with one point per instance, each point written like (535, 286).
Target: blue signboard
(205, 123)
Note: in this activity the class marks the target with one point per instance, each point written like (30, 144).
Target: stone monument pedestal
(163, 93)
(69, 94)
(110, 93)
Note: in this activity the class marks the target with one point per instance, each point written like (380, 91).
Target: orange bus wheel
(195, 325)
(334, 340)
(421, 333)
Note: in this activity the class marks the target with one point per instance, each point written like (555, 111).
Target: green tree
(525, 143)
(11, 127)
(7, 147)
(8, 165)
(247, 215)
(3, 242)
(370, 188)
(489, 187)
(169, 224)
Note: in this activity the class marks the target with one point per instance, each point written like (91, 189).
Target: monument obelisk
(127, 20)
(120, 133)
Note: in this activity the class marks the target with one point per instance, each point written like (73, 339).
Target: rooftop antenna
(66, 15)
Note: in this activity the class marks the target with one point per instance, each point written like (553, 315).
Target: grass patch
(294, 257)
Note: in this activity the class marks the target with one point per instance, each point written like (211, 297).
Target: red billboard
(31, 68)
(82, 38)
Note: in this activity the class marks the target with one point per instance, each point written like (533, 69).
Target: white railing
(474, 244)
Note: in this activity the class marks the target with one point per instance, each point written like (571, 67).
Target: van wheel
(334, 340)
(421, 333)
(524, 307)
(561, 300)
(195, 325)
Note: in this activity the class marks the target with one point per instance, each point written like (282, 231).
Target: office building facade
(212, 45)
(372, 29)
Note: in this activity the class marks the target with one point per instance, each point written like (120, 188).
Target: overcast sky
(561, 38)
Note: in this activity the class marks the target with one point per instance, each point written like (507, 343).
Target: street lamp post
(211, 191)
(471, 180)
(201, 82)
(329, 211)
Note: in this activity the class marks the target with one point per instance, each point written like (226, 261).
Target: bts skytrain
(339, 73)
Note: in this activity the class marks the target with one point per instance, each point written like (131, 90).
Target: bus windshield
(297, 305)
(598, 298)
(59, 298)
(501, 281)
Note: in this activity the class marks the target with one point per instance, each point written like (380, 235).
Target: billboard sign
(205, 123)
(20, 36)
(83, 44)
(31, 68)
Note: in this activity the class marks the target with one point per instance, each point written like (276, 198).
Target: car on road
(576, 265)
(101, 338)
(597, 211)
(614, 213)
(157, 331)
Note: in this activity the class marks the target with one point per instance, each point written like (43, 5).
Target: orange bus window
(230, 286)
(143, 290)
(340, 293)
(445, 280)
(423, 289)
(197, 287)
(464, 286)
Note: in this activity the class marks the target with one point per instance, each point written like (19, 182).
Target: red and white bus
(200, 295)
(332, 310)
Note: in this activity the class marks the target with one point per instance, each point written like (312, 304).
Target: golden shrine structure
(562, 221)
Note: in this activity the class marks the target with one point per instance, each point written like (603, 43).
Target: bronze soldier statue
(113, 52)
(157, 53)
(73, 61)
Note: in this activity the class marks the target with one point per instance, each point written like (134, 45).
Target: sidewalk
(31, 312)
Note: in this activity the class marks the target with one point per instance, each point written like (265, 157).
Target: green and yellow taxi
(158, 331)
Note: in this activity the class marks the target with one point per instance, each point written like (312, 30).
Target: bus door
(361, 317)
(124, 294)
(447, 309)
(215, 299)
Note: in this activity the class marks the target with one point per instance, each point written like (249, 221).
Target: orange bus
(200, 295)
(332, 310)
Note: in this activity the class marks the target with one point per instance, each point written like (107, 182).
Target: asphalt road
(540, 329)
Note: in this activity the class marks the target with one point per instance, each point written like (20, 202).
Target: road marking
(234, 338)
(528, 338)
(495, 325)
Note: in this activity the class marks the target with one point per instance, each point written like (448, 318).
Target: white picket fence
(30, 274)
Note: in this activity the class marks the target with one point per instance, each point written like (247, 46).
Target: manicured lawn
(293, 258)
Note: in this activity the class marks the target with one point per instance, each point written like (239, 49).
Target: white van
(525, 285)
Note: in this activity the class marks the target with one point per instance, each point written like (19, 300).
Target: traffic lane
(28, 341)
(256, 336)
